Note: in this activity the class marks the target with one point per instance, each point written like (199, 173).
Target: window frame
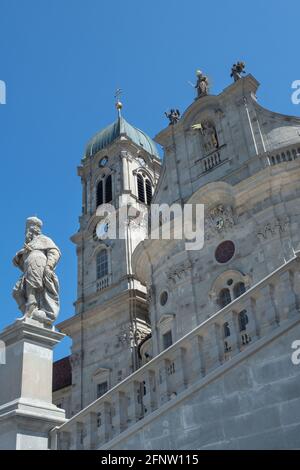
(100, 272)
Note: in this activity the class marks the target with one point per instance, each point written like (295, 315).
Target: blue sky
(62, 61)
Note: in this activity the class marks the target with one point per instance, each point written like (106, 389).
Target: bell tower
(121, 163)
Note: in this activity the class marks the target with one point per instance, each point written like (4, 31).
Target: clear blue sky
(62, 61)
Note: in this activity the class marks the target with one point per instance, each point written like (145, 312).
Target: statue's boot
(30, 308)
(41, 316)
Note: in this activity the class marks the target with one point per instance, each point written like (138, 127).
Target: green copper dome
(120, 127)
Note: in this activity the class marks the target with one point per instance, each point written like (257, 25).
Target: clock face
(141, 161)
(102, 230)
(103, 162)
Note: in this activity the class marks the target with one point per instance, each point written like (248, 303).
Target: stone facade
(208, 390)
(111, 308)
(254, 197)
(222, 319)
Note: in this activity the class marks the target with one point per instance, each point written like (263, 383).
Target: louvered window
(148, 192)
(99, 193)
(140, 187)
(108, 189)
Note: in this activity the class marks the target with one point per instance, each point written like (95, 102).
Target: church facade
(175, 348)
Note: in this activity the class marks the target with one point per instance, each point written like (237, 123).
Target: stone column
(26, 411)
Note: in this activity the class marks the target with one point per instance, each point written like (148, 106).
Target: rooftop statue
(37, 291)
(237, 70)
(202, 84)
(173, 115)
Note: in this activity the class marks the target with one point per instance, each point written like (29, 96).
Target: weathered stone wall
(253, 405)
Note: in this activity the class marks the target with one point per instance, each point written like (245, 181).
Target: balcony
(103, 282)
(262, 313)
(213, 159)
(286, 154)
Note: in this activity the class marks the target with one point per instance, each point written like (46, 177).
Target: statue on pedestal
(37, 291)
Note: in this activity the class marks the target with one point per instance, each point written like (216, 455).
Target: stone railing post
(196, 359)
(120, 416)
(265, 309)
(135, 391)
(163, 381)
(285, 298)
(181, 369)
(105, 422)
(150, 399)
(212, 347)
(91, 441)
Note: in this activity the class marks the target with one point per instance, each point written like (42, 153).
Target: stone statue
(209, 135)
(202, 84)
(173, 116)
(37, 291)
(237, 70)
(210, 138)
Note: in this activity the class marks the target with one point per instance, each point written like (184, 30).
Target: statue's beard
(29, 237)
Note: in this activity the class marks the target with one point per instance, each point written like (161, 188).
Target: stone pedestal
(26, 410)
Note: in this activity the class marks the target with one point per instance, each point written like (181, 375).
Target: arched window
(140, 187)
(148, 192)
(100, 193)
(228, 286)
(108, 189)
(104, 191)
(144, 188)
(224, 297)
(238, 289)
(102, 264)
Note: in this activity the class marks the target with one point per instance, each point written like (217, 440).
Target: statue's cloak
(41, 242)
(41, 251)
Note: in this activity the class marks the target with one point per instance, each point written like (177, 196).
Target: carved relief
(128, 336)
(178, 272)
(275, 227)
(219, 219)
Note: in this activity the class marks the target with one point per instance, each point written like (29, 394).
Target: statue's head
(33, 228)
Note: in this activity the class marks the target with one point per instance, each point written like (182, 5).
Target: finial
(118, 103)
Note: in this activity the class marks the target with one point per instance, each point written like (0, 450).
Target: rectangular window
(102, 264)
(101, 389)
(167, 339)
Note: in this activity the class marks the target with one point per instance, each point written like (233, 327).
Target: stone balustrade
(103, 283)
(265, 307)
(285, 154)
(213, 159)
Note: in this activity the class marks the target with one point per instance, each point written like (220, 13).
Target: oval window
(225, 251)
